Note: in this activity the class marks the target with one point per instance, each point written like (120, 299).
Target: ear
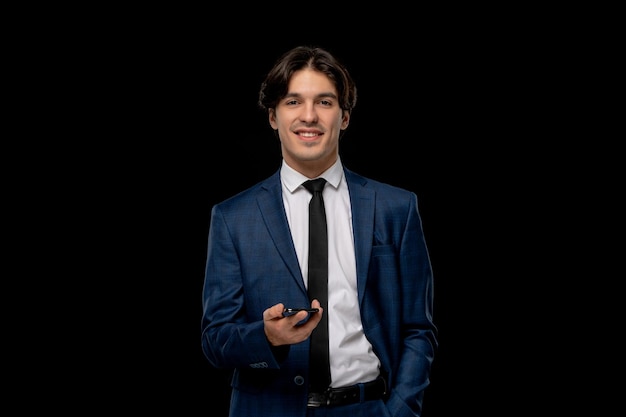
(272, 118)
(345, 120)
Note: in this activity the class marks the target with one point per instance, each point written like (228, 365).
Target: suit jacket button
(299, 380)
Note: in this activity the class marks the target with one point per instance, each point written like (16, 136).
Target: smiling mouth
(309, 135)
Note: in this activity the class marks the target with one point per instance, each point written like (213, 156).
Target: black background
(170, 125)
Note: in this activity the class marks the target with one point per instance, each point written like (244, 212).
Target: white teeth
(308, 134)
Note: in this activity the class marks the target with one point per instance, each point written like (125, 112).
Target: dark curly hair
(275, 85)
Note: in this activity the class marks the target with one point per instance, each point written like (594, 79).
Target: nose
(308, 114)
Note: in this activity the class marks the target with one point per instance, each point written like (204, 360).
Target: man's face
(309, 120)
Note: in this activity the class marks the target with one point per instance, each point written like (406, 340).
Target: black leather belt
(373, 390)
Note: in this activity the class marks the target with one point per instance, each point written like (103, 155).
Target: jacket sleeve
(229, 338)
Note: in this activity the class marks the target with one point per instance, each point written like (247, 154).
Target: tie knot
(315, 185)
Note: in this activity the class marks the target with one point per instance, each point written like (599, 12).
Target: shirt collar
(292, 179)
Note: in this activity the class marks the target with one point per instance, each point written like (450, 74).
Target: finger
(274, 312)
(316, 304)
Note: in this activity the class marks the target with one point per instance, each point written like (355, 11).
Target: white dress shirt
(351, 357)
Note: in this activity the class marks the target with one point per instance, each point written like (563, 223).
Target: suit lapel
(362, 200)
(271, 205)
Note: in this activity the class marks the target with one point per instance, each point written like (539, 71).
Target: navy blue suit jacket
(252, 265)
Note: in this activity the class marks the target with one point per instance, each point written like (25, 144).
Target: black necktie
(318, 285)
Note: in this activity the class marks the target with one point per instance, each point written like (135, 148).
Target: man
(382, 337)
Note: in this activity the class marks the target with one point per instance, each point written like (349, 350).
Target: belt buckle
(317, 399)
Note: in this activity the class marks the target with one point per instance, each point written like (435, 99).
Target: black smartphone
(291, 311)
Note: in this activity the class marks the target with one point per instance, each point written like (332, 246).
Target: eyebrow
(321, 95)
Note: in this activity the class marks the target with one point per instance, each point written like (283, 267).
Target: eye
(291, 102)
(326, 103)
